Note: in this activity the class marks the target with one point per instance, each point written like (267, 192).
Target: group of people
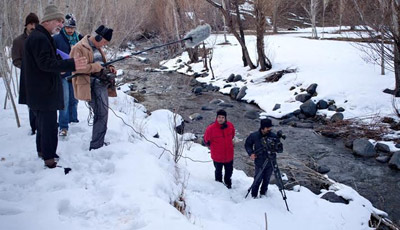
(219, 138)
(56, 72)
(51, 82)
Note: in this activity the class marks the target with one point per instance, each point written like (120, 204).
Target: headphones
(98, 38)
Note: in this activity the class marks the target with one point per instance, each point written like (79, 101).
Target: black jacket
(254, 144)
(40, 86)
(18, 49)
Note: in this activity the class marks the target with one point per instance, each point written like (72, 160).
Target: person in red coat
(219, 138)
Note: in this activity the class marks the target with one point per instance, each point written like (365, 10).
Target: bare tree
(260, 8)
(383, 36)
(312, 11)
(324, 5)
(229, 19)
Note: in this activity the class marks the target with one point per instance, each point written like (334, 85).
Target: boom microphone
(191, 39)
(196, 36)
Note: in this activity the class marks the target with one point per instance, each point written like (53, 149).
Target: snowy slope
(132, 183)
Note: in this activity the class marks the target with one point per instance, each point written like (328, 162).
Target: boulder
(362, 147)
(297, 112)
(309, 108)
(333, 198)
(332, 108)
(303, 97)
(337, 117)
(322, 104)
(227, 86)
(237, 78)
(230, 78)
(312, 89)
(195, 117)
(289, 121)
(207, 108)
(197, 90)
(323, 169)
(395, 161)
(252, 114)
(216, 101)
(242, 93)
(234, 92)
(180, 128)
(382, 148)
(224, 104)
(382, 159)
(340, 109)
(193, 82)
(196, 75)
(287, 116)
(276, 107)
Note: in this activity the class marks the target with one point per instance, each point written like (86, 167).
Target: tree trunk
(275, 18)
(239, 21)
(396, 35)
(224, 21)
(264, 62)
(234, 32)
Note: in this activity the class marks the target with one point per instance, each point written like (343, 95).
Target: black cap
(221, 112)
(104, 32)
(265, 123)
(31, 18)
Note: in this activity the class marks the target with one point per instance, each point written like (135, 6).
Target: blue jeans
(69, 114)
(73, 105)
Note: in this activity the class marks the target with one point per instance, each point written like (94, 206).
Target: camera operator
(263, 145)
(95, 83)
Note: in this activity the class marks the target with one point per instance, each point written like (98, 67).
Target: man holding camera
(263, 145)
(94, 83)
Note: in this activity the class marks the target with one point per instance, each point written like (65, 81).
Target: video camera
(273, 143)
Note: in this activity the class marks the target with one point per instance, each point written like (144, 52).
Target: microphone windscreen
(197, 35)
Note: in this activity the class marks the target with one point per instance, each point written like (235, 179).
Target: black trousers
(32, 121)
(47, 135)
(265, 177)
(228, 172)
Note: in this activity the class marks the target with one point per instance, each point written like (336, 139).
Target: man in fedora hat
(258, 151)
(67, 38)
(94, 84)
(40, 86)
(16, 53)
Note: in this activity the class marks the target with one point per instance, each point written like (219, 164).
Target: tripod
(272, 161)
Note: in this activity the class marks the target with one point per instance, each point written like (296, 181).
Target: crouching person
(263, 145)
(94, 84)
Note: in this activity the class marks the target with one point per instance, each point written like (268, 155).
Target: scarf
(73, 39)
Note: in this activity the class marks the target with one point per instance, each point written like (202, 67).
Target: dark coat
(220, 141)
(63, 44)
(18, 49)
(40, 86)
(254, 144)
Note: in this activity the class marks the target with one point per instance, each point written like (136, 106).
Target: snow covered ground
(132, 183)
(337, 67)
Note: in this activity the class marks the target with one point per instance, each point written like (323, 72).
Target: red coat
(220, 141)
